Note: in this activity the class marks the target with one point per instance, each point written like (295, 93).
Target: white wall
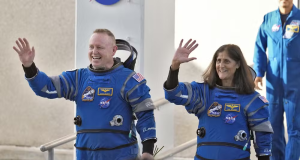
(219, 22)
(158, 53)
(296, 2)
(124, 19)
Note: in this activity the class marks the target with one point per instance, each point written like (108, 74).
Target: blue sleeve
(136, 93)
(63, 85)
(146, 125)
(258, 120)
(191, 95)
(260, 56)
(263, 143)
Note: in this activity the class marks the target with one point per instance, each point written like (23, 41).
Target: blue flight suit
(223, 114)
(283, 77)
(105, 102)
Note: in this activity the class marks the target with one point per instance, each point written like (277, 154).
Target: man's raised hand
(26, 54)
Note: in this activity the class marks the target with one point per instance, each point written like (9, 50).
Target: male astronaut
(107, 96)
(279, 33)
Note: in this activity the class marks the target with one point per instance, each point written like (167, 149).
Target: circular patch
(230, 118)
(201, 132)
(104, 103)
(107, 2)
(117, 120)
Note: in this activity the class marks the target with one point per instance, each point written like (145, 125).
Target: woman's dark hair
(242, 80)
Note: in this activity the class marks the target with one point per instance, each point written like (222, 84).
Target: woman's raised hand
(182, 53)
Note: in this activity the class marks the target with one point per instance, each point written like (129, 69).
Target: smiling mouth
(222, 71)
(96, 57)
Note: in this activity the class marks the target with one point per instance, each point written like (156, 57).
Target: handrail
(160, 102)
(58, 142)
(177, 149)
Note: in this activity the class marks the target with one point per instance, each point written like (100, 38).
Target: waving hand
(182, 53)
(26, 54)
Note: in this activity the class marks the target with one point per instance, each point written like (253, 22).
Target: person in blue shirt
(108, 98)
(226, 105)
(279, 34)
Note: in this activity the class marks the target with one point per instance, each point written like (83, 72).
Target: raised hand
(182, 53)
(26, 54)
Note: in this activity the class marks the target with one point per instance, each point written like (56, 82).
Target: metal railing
(160, 102)
(60, 141)
(180, 148)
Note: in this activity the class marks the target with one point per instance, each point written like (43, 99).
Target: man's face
(285, 3)
(101, 51)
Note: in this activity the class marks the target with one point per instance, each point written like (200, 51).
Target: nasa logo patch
(230, 118)
(275, 27)
(104, 103)
(107, 2)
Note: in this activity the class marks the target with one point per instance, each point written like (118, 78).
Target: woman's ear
(238, 65)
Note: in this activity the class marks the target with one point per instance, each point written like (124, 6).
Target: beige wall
(157, 54)
(49, 25)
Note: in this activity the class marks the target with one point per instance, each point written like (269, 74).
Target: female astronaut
(226, 104)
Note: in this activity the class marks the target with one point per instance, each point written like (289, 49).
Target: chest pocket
(291, 32)
(273, 38)
(100, 80)
(292, 39)
(225, 97)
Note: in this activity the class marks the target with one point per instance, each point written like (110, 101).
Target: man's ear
(115, 48)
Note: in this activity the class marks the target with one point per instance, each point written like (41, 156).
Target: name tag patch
(292, 28)
(105, 91)
(232, 107)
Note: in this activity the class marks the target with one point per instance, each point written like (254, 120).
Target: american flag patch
(138, 77)
(295, 22)
(264, 99)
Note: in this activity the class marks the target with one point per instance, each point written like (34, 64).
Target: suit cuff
(263, 157)
(148, 146)
(31, 71)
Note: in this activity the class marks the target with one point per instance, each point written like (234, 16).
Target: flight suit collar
(227, 88)
(293, 12)
(117, 63)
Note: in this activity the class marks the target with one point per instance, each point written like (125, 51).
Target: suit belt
(104, 131)
(199, 157)
(222, 144)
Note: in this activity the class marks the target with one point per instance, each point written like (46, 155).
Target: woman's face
(226, 68)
